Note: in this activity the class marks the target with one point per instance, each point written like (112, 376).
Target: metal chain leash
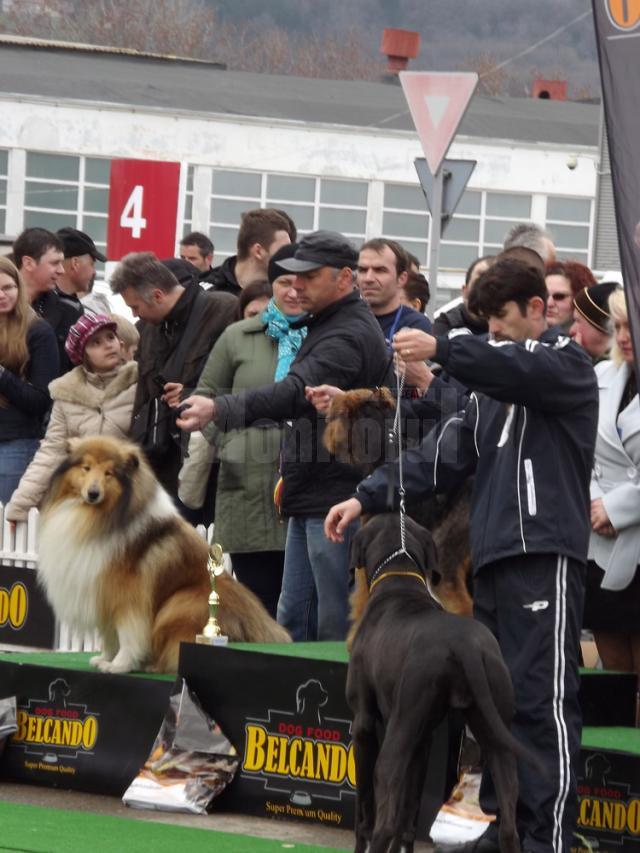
(397, 434)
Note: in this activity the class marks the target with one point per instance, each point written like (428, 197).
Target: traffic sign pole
(436, 233)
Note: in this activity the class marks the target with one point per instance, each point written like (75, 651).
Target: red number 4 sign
(143, 208)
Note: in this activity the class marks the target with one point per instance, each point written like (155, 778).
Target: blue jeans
(15, 456)
(314, 602)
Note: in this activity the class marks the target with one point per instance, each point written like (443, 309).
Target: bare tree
(190, 28)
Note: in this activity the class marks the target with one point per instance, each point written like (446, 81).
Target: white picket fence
(19, 548)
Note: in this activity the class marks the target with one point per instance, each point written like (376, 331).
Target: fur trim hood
(91, 389)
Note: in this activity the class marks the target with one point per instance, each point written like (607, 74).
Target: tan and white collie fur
(116, 557)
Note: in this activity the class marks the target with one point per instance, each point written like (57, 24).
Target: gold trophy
(211, 633)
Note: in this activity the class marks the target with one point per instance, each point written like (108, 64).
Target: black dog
(410, 662)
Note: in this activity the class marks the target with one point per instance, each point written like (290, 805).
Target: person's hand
(416, 373)
(172, 392)
(340, 517)
(197, 413)
(414, 345)
(320, 396)
(600, 522)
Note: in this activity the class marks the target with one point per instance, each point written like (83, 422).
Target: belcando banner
(288, 719)
(26, 619)
(617, 24)
(85, 731)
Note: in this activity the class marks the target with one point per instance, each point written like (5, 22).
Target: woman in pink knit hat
(95, 398)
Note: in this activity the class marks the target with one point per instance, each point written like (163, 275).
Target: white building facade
(55, 154)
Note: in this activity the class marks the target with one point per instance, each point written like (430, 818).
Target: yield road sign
(437, 102)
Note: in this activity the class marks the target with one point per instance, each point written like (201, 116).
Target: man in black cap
(592, 327)
(344, 347)
(80, 256)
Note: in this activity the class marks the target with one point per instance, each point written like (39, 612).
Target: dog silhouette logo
(596, 770)
(310, 697)
(58, 692)
(623, 14)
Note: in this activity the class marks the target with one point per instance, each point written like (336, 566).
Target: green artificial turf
(80, 660)
(625, 740)
(336, 652)
(31, 829)
(68, 660)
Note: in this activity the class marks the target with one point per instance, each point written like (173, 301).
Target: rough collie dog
(116, 557)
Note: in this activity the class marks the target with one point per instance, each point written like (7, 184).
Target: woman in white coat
(95, 398)
(613, 582)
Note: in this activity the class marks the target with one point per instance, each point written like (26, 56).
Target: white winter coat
(616, 478)
(84, 404)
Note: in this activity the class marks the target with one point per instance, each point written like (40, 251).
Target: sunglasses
(559, 297)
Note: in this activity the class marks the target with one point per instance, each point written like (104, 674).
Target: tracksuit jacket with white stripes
(528, 433)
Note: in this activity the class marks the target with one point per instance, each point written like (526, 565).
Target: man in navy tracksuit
(528, 434)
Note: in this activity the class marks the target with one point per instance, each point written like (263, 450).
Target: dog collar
(399, 574)
(380, 566)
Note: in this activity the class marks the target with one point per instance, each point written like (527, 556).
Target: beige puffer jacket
(84, 404)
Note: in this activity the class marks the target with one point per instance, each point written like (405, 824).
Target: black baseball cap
(184, 271)
(321, 249)
(78, 243)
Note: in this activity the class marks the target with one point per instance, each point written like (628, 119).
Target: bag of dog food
(191, 762)
(8, 719)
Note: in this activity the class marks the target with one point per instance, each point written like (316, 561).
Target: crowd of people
(526, 383)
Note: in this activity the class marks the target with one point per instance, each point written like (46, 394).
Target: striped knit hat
(82, 330)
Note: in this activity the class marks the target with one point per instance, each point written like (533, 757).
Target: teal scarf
(289, 340)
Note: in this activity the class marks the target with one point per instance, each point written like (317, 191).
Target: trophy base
(212, 641)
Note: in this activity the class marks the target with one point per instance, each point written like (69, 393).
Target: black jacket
(158, 343)
(458, 318)
(223, 278)
(344, 347)
(27, 399)
(528, 436)
(60, 314)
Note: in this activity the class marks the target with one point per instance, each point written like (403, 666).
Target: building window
(311, 202)
(62, 191)
(460, 242)
(4, 165)
(188, 204)
(569, 221)
(405, 218)
(502, 211)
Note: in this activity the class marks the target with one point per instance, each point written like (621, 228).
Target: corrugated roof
(137, 81)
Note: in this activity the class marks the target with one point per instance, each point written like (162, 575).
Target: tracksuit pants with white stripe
(533, 604)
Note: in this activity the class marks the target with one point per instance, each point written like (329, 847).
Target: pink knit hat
(81, 331)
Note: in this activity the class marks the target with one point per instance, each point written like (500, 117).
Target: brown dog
(410, 663)
(359, 431)
(116, 557)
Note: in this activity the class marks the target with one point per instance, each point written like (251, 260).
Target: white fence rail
(19, 548)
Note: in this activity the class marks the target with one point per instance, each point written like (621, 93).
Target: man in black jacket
(197, 249)
(262, 232)
(528, 436)
(168, 311)
(345, 347)
(39, 255)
